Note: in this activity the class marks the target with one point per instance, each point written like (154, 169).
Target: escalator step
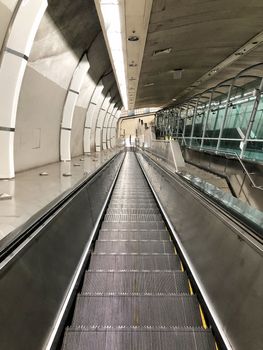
(122, 211)
(135, 262)
(135, 311)
(134, 247)
(132, 217)
(135, 205)
(136, 282)
(141, 235)
(143, 339)
(146, 225)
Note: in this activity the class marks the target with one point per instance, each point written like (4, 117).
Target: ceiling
(199, 34)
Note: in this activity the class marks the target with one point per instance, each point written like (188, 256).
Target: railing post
(178, 123)
(206, 119)
(252, 118)
(225, 115)
(193, 121)
(185, 119)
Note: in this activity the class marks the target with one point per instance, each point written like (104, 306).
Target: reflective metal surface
(229, 267)
(35, 282)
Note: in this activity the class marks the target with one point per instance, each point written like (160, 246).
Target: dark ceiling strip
(68, 129)
(5, 128)
(74, 91)
(16, 53)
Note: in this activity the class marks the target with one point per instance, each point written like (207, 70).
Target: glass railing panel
(243, 211)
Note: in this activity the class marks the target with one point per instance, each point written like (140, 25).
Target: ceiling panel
(200, 34)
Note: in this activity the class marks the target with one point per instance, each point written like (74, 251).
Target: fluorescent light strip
(111, 13)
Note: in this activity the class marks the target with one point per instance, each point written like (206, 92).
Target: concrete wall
(78, 131)
(6, 10)
(130, 125)
(38, 121)
(66, 31)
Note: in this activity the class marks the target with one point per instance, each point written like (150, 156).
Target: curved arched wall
(68, 31)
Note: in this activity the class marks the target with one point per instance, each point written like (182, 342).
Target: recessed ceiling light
(162, 52)
(133, 65)
(177, 73)
(174, 99)
(148, 84)
(133, 38)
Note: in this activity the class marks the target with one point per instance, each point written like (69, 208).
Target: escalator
(136, 294)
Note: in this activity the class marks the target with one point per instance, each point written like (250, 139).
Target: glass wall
(227, 118)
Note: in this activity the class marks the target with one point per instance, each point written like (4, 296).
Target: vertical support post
(193, 121)
(105, 125)
(92, 112)
(99, 122)
(225, 116)
(206, 119)
(69, 107)
(178, 123)
(185, 119)
(15, 52)
(252, 118)
(109, 125)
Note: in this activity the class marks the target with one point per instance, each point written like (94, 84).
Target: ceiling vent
(162, 52)
(177, 73)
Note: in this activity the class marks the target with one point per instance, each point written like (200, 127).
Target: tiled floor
(32, 192)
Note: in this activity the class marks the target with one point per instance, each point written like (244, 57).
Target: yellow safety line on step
(190, 288)
(216, 346)
(182, 268)
(175, 252)
(202, 317)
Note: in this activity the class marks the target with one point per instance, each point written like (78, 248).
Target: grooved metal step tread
(135, 262)
(132, 217)
(129, 205)
(134, 247)
(129, 197)
(143, 199)
(141, 235)
(136, 225)
(138, 339)
(130, 211)
(130, 311)
(136, 282)
(134, 203)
